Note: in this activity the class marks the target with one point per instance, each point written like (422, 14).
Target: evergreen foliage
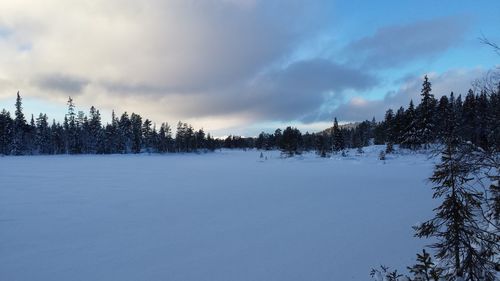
(415, 127)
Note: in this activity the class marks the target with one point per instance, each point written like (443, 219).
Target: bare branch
(490, 43)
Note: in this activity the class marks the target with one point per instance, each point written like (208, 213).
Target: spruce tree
(148, 135)
(19, 139)
(291, 141)
(58, 138)
(43, 135)
(136, 127)
(460, 241)
(468, 116)
(180, 137)
(124, 134)
(425, 118)
(425, 269)
(94, 135)
(6, 132)
(72, 130)
(337, 137)
(410, 138)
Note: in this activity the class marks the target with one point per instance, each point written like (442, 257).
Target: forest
(476, 115)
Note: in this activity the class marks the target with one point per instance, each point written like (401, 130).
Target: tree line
(465, 228)
(418, 126)
(86, 134)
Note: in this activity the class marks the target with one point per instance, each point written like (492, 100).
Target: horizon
(205, 63)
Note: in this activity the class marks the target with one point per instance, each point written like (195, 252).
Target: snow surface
(218, 216)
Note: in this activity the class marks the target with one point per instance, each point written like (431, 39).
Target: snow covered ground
(217, 216)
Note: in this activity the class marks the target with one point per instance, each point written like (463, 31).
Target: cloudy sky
(240, 66)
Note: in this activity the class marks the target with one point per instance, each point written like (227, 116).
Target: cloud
(282, 94)
(62, 83)
(395, 45)
(213, 63)
(194, 58)
(457, 80)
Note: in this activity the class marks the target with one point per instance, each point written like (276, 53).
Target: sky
(240, 66)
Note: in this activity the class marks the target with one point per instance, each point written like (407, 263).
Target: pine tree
(322, 145)
(260, 141)
(19, 137)
(481, 121)
(189, 137)
(136, 130)
(43, 135)
(211, 143)
(112, 137)
(291, 141)
(58, 138)
(467, 119)
(94, 135)
(30, 137)
(456, 227)
(442, 112)
(180, 137)
(337, 137)
(425, 123)
(410, 138)
(425, 269)
(199, 139)
(6, 132)
(124, 134)
(71, 128)
(148, 135)
(278, 135)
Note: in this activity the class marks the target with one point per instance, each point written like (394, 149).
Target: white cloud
(153, 56)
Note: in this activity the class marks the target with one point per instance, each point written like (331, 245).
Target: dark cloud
(458, 80)
(213, 61)
(399, 44)
(305, 86)
(286, 94)
(62, 83)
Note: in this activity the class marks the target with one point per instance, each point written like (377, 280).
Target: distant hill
(343, 126)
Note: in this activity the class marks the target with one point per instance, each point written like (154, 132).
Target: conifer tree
(58, 138)
(460, 242)
(19, 139)
(6, 132)
(410, 138)
(467, 117)
(136, 130)
(291, 141)
(164, 143)
(337, 137)
(199, 139)
(425, 118)
(71, 128)
(94, 135)
(425, 269)
(124, 134)
(148, 135)
(322, 145)
(43, 135)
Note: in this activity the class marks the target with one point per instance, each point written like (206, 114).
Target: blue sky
(240, 66)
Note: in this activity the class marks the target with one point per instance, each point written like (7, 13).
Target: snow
(227, 215)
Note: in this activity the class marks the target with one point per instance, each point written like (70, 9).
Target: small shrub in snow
(390, 148)
(381, 155)
(360, 150)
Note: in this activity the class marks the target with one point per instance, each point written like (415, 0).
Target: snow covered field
(217, 216)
